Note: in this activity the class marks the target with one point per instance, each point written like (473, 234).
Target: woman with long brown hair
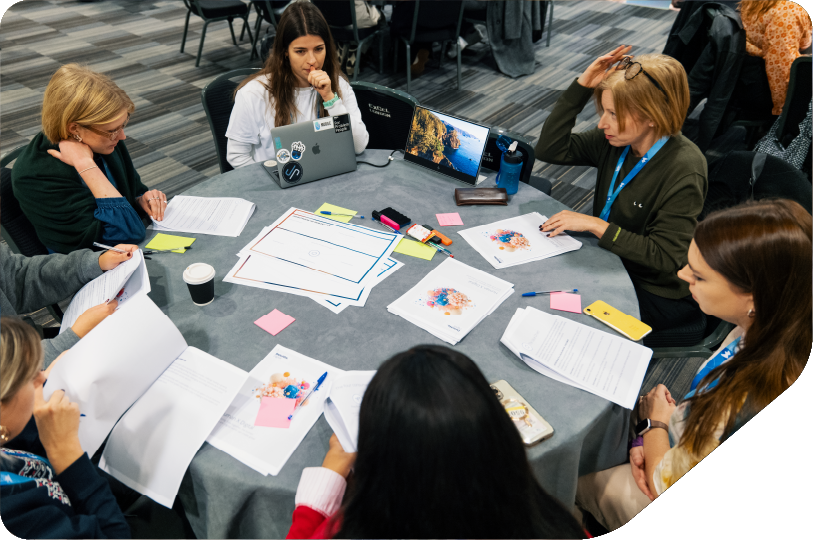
(749, 265)
(300, 81)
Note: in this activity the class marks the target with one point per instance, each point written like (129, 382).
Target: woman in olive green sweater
(651, 181)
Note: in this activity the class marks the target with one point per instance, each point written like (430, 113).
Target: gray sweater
(31, 283)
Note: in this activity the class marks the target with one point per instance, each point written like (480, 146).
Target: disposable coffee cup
(200, 278)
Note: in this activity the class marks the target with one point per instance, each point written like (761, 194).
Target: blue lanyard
(719, 359)
(612, 193)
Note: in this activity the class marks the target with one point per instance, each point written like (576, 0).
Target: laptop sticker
(297, 149)
(277, 143)
(342, 123)
(323, 124)
(283, 156)
(292, 172)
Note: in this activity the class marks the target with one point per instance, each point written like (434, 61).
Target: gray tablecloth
(224, 498)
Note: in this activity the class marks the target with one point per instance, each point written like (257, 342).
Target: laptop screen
(446, 144)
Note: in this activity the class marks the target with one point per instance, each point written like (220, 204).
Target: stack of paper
(219, 216)
(517, 241)
(334, 263)
(591, 360)
(343, 405)
(451, 300)
(266, 449)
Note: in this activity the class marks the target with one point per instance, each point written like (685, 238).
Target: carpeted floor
(137, 43)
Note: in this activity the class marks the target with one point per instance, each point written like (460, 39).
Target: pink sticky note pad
(274, 412)
(449, 219)
(275, 322)
(566, 302)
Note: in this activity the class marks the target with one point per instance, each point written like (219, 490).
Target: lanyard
(720, 358)
(612, 193)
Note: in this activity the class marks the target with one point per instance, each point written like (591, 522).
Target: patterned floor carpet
(137, 43)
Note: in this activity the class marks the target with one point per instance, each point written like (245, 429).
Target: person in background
(777, 31)
(749, 265)
(59, 495)
(438, 457)
(75, 181)
(300, 81)
(651, 182)
(31, 283)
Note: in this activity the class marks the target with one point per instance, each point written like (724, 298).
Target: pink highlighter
(387, 221)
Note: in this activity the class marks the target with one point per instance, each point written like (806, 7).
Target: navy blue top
(121, 222)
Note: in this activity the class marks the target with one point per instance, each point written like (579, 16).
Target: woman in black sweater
(62, 496)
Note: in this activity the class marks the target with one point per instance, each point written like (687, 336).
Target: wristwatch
(645, 425)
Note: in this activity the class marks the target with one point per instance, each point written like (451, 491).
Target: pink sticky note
(274, 412)
(449, 219)
(566, 302)
(275, 322)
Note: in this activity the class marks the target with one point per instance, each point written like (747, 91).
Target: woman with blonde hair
(75, 181)
(749, 265)
(300, 81)
(651, 180)
(59, 495)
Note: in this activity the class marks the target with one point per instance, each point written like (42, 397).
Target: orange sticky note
(274, 412)
(566, 302)
(275, 322)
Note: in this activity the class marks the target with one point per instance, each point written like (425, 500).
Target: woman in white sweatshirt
(301, 81)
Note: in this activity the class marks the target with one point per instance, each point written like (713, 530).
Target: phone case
(622, 323)
(532, 427)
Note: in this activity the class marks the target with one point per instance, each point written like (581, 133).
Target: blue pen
(337, 214)
(540, 293)
(387, 226)
(314, 389)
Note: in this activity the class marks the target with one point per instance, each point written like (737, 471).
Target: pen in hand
(109, 248)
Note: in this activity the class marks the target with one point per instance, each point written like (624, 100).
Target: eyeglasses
(112, 135)
(633, 69)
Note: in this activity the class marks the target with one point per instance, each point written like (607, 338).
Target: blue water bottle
(510, 165)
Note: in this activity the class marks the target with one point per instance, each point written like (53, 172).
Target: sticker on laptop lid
(297, 149)
(277, 143)
(323, 124)
(283, 156)
(341, 123)
(292, 172)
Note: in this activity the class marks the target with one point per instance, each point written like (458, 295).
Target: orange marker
(446, 241)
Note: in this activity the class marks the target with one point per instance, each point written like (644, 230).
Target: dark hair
(438, 457)
(764, 249)
(299, 19)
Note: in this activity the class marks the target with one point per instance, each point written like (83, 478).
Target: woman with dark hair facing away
(651, 180)
(59, 495)
(749, 265)
(75, 181)
(438, 457)
(300, 81)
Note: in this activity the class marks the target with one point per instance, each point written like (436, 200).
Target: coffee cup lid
(198, 273)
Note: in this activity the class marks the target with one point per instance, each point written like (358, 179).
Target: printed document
(267, 449)
(517, 241)
(390, 265)
(594, 360)
(125, 281)
(219, 216)
(343, 404)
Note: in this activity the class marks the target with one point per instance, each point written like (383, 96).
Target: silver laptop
(310, 151)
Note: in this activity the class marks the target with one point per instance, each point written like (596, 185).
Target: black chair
(268, 11)
(216, 10)
(386, 113)
(797, 100)
(339, 16)
(18, 232)
(441, 24)
(217, 98)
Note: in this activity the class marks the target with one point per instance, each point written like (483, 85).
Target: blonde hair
(77, 94)
(754, 9)
(20, 356)
(640, 98)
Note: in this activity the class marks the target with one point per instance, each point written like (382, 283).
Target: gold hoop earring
(751, 313)
(4, 434)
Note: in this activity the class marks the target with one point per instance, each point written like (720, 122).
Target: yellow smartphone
(622, 323)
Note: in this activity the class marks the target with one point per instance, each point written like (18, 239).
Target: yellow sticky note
(169, 241)
(338, 209)
(415, 249)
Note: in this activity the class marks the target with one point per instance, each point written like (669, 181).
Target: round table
(224, 498)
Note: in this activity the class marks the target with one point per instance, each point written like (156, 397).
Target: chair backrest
(438, 14)
(800, 92)
(493, 155)
(386, 113)
(337, 13)
(217, 98)
(268, 9)
(18, 232)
